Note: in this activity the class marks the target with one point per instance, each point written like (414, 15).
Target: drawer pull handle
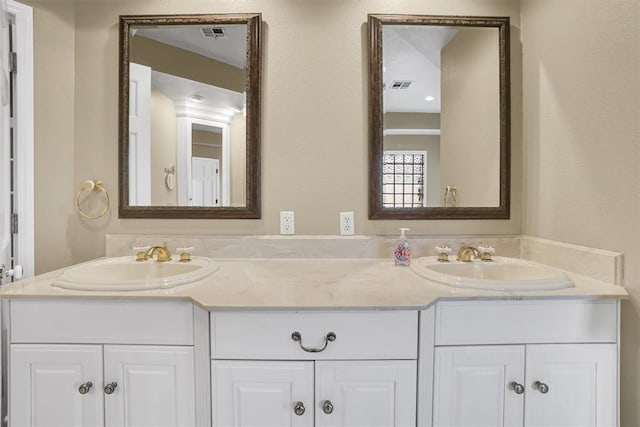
(542, 387)
(110, 388)
(297, 336)
(327, 407)
(517, 388)
(299, 409)
(84, 388)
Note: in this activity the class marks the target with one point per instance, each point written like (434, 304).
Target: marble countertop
(299, 284)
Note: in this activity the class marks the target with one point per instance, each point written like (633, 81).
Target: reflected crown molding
(186, 108)
(404, 132)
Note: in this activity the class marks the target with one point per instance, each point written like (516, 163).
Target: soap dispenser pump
(402, 250)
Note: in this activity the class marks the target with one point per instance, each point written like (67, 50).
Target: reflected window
(404, 176)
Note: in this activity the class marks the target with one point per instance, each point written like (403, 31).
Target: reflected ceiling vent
(213, 32)
(401, 84)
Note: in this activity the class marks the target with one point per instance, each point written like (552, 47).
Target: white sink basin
(127, 274)
(501, 274)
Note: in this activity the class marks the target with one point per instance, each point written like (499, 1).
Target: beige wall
(411, 121)
(55, 218)
(314, 118)
(163, 148)
(470, 117)
(238, 173)
(582, 142)
(182, 63)
(200, 137)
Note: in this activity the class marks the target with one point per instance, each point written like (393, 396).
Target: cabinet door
(154, 386)
(266, 394)
(366, 394)
(577, 385)
(473, 386)
(45, 383)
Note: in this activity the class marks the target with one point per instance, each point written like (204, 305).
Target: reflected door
(205, 180)
(139, 135)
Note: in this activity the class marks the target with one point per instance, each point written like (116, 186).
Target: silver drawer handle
(517, 388)
(542, 387)
(297, 336)
(327, 407)
(110, 388)
(85, 388)
(299, 409)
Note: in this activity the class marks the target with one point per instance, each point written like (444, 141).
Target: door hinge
(14, 223)
(13, 62)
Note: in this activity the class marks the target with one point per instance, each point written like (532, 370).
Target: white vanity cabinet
(525, 363)
(101, 363)
(358, 369)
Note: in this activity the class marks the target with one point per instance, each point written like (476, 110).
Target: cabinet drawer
(513, 322)
(102, 321)
(358, 335)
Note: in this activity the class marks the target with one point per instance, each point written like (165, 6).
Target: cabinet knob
(330, 337)
(299, 409)
(517, 388)
(85, 388)
(110, 388)
(542, 387)
(327, 407)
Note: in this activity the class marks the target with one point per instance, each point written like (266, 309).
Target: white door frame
(189, 114)
(24, 200)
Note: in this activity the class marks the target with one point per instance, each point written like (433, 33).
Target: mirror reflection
(191, 139)
(439, 119)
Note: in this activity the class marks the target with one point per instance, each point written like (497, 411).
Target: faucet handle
(443, 253)
(141, 252)
(486, 252)
(185, 253)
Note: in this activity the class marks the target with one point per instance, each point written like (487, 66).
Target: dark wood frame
(253, 131)
(376, 210)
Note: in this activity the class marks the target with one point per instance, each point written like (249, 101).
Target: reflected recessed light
(197, 98)
(429, 98)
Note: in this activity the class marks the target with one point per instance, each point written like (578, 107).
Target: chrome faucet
(465, 253)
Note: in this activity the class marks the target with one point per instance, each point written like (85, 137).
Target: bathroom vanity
(313, 343)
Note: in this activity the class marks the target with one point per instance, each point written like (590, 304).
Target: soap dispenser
(402, 250)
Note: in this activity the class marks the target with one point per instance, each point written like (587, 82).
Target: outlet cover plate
(347, 224)
(287, 225)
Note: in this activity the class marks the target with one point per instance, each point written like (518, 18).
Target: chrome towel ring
(93, 185)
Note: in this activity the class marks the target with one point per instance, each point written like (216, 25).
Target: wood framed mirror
(189, 118)
(439, 117)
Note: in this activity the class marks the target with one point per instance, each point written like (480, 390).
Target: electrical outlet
(286, 222)
(347, 224)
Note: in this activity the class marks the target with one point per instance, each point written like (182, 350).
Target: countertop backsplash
(599, 264)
